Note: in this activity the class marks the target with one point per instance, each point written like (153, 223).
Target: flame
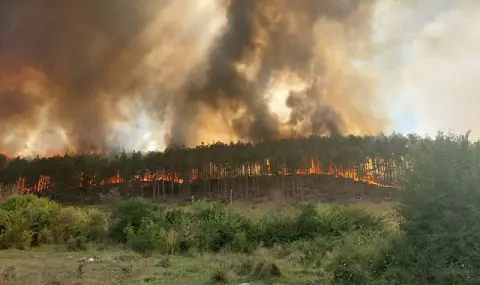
(216, 172)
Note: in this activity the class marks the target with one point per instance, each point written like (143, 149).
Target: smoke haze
(102, 75)
(428, 62)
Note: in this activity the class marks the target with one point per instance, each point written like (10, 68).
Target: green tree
(440, 211)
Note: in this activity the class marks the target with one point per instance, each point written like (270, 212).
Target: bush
(45, 237)
(147, 238)
(440, 212)
(311, 222)
(16, 231)
(69, 224)
(276, 229)
(78, 243)
(219, 226)
(265, 270)
(131, 213)
(362, 258)
(39, 213)
(96, 226)
(339, 220)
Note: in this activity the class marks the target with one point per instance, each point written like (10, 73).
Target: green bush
(131, 213)
(218, 226)
(75, 222)
(362, 258)
(96, 227)
(39, 213)
(68, 224)
(45, 237)
(339, 220)
(311, 222)
(276, 229)
(440, 212)
(78, 243)
(147, 238)
(15, 231)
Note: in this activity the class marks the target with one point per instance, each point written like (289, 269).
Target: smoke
(309, 47)
(101, 75)
(428, 64)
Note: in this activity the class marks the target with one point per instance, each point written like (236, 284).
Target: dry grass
(51, 265)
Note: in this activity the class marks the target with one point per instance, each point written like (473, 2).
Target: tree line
(242, 169)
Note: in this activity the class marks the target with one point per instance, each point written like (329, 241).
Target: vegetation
(435, 239)
(292, 168)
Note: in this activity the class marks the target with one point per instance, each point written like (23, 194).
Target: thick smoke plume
(99, 75)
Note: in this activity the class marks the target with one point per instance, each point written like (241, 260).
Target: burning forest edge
(289, 165)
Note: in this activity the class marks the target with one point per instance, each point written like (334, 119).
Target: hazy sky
(428, 64)
(420, 71)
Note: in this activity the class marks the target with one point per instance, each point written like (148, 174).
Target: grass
(300, 262)
(51, 265)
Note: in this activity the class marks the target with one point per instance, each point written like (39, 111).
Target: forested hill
(241, 167)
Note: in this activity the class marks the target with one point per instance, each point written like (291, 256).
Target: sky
(419, 70)
(427, 64)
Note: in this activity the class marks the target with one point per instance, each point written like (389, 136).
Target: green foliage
(147, 238)
(311, 222)
(45, 237)
(362, 258)
(276, 229)
(131, 213)
(15, 231)
(213, 227)
(220, 226)
(24, 218)
(39, 211)
(440, 211)
(220, 275)
(265, 270)
(78, 243)
(75, 222)
(28, 220)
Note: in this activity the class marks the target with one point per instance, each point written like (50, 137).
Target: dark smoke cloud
(85, 49)
(70, 65)
(281, 37)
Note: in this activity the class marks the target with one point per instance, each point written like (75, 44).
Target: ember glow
(92, 75)
(215, 173)
(106, 75)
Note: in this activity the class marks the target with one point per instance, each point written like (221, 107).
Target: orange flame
(215, 172)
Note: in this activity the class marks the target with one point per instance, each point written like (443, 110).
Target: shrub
(38, 212)
(338, 220)
(147, 238)
(440, 212)
(69, 223)
(220, 275)
(96, 226)
(310, 223)
(45, 237)
(219, 225)
(276, 229)
(361, 258)
(240, 242)
(16, 231)
(265, 270)
(78, 243)
(131, 213)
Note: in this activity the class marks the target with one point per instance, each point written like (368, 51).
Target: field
(54, 264)
(425, 232)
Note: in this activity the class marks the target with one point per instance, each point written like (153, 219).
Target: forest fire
(243, 167)
(45, 182)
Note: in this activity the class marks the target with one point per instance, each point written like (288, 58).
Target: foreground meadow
(431, 235)
(240, 243)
